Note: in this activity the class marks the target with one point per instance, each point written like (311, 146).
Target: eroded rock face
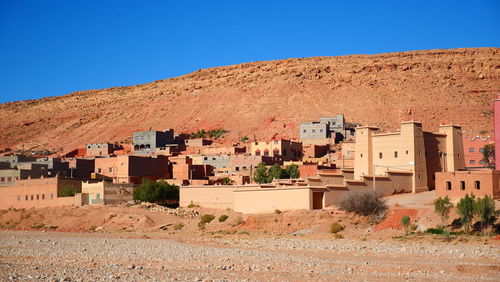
(265, 99)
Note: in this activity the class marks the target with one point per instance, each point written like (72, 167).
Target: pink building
(496, 109)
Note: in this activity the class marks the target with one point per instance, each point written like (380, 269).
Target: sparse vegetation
(205, 219)
(277, 211)
(242, 232)
(267, 175)
(25, 216)
(364, 203)
(405, 221)
(238, 220)
(484, 209)
(193, 205)
(227, 181)
(489, 155)
(338, 236)
(67, 191)
(223, 218)
(465, 209)
(156, 191)
(442, 207)
(212, 134)
(244, 138)
(92, 228)
(38, 225)
(178, 226)
(336, 227)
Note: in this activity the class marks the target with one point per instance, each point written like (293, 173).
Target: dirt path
(27, 255)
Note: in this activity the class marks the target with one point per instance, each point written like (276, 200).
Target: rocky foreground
(57, 256)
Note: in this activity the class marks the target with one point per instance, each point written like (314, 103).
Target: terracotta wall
(489, 184)
(220, 197)
(33, 193)
(263, 200)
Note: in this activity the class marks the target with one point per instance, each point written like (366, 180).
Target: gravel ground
(29, 255)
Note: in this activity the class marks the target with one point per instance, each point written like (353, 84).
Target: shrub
(227, 181)
(178, 226)
(156, 191)
(223, 218)
(92, 228)
(465, 209)
(207, 218)
(242, 232)
(442, 207)
(405, 221)
(25, 216)
(193, 205)
(338, 236)
(67, 191)
(38, 225)
(363, 203)
(336, 227)
(293, 171)
(238, 220)
(277, 211)
(484, 209)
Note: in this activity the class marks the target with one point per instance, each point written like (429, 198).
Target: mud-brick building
(132, 169)
(285, 150)
(146, 142)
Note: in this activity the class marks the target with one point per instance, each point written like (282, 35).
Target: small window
(2, 179)
(99, 170)
(448, 185)
(26, 197)
(51, 196)
(43, 196)
(395, 154)
(407, 152)
(314, 130)
(205, 158)
(419, 176)
(32, 197)
(98, 196)
(110, 169)
(472, 162)
(38, 197)
(419, 152)
(237, 168)
(481, 162)
(462, 185)
(477, 184)
(321, 130)
(481, 150)
(471, 150)
(361, 155)
(276, 142)
(244, 168)
(380, 155)
(458, 155)
(304, 131)
(18, 198)
(9, 179)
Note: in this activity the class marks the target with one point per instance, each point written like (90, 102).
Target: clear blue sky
(51, 48)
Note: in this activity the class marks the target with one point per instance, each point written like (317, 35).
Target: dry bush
(363, 203)
(336, 227)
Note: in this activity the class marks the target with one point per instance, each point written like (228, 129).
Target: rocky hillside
(266, 99)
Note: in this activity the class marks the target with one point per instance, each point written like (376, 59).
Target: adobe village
(337, 199)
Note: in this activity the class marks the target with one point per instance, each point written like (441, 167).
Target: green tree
(67, 191)
(293, 171)
(442, 207)
(227, 181)
(261, 174)
(489, 154)
(405, 221)
(465, 209)
(156, 191)
(485, 210)
(275, 172)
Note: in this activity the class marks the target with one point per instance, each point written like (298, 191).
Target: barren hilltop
(271, 98)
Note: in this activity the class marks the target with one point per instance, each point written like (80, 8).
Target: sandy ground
(28, 255)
